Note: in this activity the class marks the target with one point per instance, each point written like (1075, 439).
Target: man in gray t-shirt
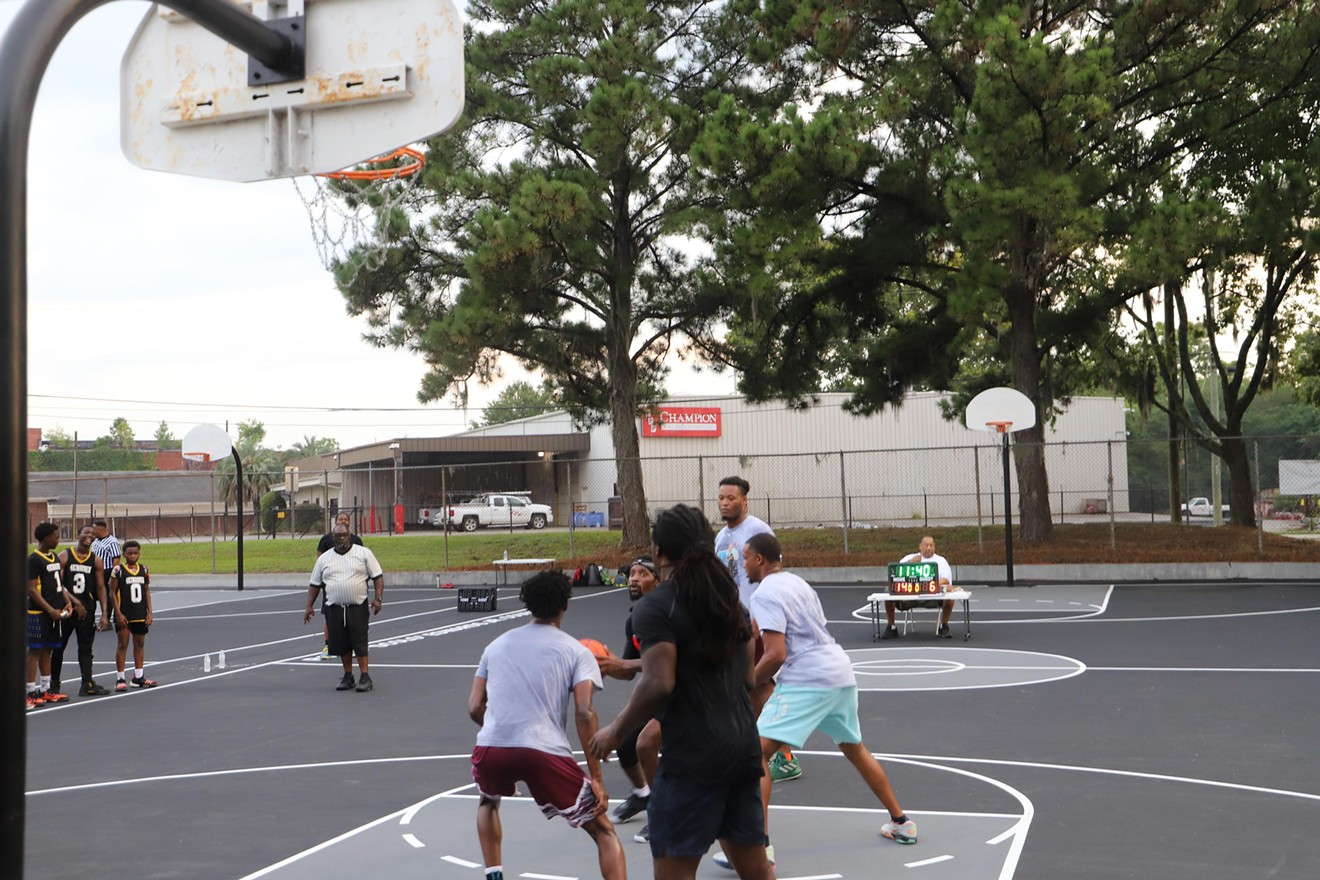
(816, 689)
(520, 696)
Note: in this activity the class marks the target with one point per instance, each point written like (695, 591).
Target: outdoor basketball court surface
(1084, 731)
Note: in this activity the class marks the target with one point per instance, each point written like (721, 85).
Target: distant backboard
(1299, 477)
(379, 74)
(206, 443)
(1000, 409)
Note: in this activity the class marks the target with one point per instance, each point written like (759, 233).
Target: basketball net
(351, 211)
(1000, 427)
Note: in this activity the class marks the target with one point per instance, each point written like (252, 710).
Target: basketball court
(1087, 731)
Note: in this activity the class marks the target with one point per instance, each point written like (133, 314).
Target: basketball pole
(1008, 509)
(25, 52)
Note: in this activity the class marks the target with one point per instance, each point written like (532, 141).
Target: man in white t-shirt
(925, 553)
(739, 526)
(815, 688)
(520, 696)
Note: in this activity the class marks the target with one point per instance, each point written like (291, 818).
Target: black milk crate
(476, 598)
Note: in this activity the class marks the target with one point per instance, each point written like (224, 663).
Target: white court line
(924, 862)
(457, 626)
(1190, 669)
(278, 612)
(815, 877)
(323, 845)
(314, 663)
(530, 876)
(413, 842)
(462, 863)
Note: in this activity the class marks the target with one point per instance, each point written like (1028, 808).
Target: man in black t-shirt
(696, 646)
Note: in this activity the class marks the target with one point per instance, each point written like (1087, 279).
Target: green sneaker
(783, 769)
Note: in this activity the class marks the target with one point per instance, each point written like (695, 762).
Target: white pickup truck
(498, 510)
(1201, 507)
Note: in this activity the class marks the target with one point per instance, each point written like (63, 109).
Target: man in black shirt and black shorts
(696, 643)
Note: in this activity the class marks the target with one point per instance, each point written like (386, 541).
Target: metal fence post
(1113, 540)
(843, 498)
(976, 466)
(1260, 515)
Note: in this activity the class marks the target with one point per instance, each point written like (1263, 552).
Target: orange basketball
(597, 649)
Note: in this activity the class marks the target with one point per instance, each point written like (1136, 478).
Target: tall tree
(165, 438)
(261, 468)
(959, 181)
(549, 223)
(518, 400)
(121, 434)
(309, 447)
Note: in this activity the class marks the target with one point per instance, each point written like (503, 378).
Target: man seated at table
(926, 553)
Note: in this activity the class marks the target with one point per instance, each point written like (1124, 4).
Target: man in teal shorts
(815, 688)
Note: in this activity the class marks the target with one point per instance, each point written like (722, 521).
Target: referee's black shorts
(346, 626)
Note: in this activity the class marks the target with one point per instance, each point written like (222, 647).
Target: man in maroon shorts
(522, 719)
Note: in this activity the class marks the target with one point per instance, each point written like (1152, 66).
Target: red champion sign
(682, 421)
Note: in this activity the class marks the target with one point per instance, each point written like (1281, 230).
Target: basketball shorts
(556, 782)
(686, 814)
(138, 627)
(346, 627)
(42, 632)
(793, 713)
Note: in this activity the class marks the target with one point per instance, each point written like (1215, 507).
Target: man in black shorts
(344, 574)
(326, 543)
(696, 644)
(84, 580)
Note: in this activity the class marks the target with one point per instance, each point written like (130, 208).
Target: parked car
(1201, 507)
(499, 509)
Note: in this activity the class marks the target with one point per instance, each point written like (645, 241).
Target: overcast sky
(156, 296)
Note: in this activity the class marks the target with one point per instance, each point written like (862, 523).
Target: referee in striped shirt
(344, 571)
(106, 548)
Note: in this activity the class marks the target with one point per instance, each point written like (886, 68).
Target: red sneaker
(35, 699)
(144, 682)
(121, 686)
(55, 697)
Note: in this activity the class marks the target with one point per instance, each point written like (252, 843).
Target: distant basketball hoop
(1002, 411)
(206, 443)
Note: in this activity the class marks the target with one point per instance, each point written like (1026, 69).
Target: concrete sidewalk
(1024, 575)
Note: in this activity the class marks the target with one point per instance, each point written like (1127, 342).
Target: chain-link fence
(1102, 481)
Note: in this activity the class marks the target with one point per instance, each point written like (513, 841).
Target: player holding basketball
(81, 570)
(130, 589)
(522, 719)
(48, 604)
(739, 526)
(816, 688)
(696, 644)
(639, 751)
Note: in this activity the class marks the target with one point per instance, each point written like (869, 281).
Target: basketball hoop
(999, 427)
(351, 210)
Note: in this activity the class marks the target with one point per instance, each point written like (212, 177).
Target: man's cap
(646, 563)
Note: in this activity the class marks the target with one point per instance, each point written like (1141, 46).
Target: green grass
(395, 552)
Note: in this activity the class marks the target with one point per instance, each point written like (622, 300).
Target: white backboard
(379, 74)
(206, 443)
(1000, 405)
(1299, 477)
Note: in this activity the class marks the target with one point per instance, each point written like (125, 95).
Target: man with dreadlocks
(696, 645)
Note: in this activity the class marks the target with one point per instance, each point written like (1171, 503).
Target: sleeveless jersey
(46, 571)
(80, 575)
(132, 587)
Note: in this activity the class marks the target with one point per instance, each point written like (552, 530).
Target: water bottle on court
(206, 663)
(506, 555)
(220, 661)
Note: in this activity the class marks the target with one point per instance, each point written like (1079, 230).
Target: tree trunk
(1241, 493)
(1175, 429)
(1028, 446)
(627, 450)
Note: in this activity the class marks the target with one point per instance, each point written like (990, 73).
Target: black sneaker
(943, 631)
(345, 683)
(92, 689)
(364, 683)
(631, 807)
(891, 632)
(643, 836)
